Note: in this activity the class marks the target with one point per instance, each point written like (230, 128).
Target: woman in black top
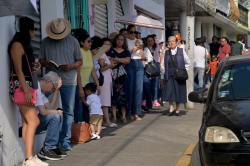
(120, 56)
(21, 55)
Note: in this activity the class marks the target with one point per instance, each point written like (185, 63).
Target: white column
(183, 23)
(190, 49)
(197, 29)
(50, 10)
(210, 32)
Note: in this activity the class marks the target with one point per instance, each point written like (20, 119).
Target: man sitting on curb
(50, 116)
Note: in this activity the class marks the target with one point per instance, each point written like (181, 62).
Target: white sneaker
(32, 162)
(40, 162)
(93, 136)
(98, 137)
(28, 163)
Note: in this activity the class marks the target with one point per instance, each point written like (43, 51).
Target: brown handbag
(80, 133)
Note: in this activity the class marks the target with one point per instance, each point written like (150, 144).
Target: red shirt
(213, 67)
(223, 51)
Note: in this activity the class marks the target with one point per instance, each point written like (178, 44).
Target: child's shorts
(96, 119)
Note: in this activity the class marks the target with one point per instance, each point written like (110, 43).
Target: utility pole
(190, 46)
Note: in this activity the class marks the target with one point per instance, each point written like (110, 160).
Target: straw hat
(58, 28)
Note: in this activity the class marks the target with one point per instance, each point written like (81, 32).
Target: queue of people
(87, 79)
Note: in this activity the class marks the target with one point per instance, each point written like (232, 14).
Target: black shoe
(49, 155)
(60, 152)
(177, 113)
(172, 113)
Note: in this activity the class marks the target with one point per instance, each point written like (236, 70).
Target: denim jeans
(68, 103)
(147, 91)
(200, 72)
(52, 123)
(78, 110)
(135, 87)
(155, 86)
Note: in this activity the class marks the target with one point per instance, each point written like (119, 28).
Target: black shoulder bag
(179, 74)
(152, 69)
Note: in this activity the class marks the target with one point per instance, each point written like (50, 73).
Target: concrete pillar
(128, 7)
(224, 32)
(183, 24)
(111, 16)
(210, 32)
(197, 32)
(190, 50)
(10, 148)
(91, 18)
(175, 28)
(50, 10)
(248, 19)
(204, 29)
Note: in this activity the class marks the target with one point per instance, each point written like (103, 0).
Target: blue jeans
(135, 87)
(52, 123)
(78, 110)
(147, 91)
(155, 86)
(200, 72)
(68, 103)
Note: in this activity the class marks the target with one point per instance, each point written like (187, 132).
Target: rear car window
(234, 82)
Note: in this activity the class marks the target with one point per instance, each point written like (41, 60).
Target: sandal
(137, 118)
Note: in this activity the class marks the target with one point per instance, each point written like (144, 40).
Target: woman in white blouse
(135, 74)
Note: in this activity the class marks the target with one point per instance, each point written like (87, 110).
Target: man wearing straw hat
(63, 50)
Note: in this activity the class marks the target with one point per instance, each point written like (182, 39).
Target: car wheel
(195, 159)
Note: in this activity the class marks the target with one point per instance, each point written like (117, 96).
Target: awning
(17, 7)
(142, 21)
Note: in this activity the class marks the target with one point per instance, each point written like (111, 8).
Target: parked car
(224, 136)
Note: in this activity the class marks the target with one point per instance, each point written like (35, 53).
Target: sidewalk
(157, 140)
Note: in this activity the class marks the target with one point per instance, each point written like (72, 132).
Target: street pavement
(157, 140)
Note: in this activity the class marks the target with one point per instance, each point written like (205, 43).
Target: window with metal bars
(77, 13)
(243, 15)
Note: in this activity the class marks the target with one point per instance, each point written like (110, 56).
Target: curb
(185, 159)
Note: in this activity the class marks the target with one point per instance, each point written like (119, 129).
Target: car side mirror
(197, 97)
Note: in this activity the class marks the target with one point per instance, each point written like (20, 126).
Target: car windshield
(234, 83)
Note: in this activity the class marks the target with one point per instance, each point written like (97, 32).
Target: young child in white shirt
(95, 109)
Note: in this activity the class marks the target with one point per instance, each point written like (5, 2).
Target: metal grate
(77, 13)
(101, 20)
(119, 13)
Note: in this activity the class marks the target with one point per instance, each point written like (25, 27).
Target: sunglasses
(132, 32)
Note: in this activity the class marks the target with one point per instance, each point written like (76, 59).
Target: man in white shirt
(200, 59)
